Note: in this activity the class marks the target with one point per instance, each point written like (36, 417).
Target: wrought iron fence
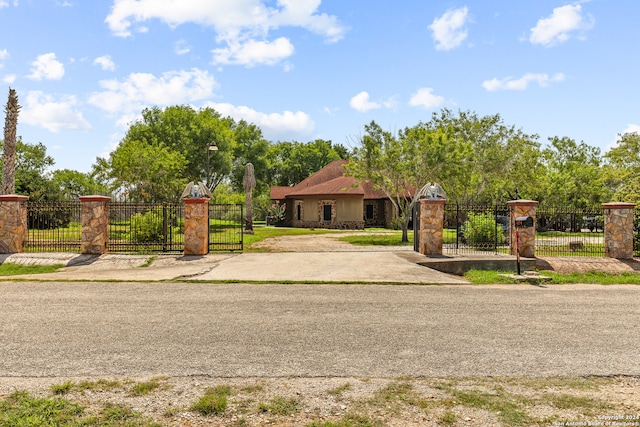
(146, 227)
(53, 227)
(476, 229)
(226, 227)
(568, 231)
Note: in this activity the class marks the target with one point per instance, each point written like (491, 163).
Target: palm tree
(249, 183)
(9, 153)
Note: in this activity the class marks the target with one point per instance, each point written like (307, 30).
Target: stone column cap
(94, 198)
(196, 200)
(618, 205)
(13, 198)
(523, 202)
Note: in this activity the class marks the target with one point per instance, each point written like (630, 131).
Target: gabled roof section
(329, 181)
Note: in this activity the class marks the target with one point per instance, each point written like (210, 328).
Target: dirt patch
(585, 264)
(329, 242)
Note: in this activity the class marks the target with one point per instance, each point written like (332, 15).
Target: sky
(308, 69)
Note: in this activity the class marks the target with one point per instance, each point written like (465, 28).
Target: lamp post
(210, 147)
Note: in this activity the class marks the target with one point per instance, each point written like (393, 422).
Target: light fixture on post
(212, 146)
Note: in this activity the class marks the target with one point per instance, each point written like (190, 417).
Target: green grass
(280, 406)
(22, 409)
(213, 402)
(479, 277)
(145, 387)
(348, 420)
(17, 269)
(390, 238)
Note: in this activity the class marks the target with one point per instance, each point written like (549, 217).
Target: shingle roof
(329, 181)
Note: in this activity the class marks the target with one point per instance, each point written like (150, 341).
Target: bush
(481, 231)
(146, 228)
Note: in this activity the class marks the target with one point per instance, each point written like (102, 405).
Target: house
(330, 199)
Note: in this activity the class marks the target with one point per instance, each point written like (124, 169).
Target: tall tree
(622, 168)
(9, 151)
(168, 147)
(400, 165)
(574, 174)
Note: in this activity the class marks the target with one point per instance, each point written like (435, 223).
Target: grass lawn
(16, 269)
(483, 277)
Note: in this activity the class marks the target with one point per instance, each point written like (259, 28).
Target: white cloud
(285, 125)
(54, 115)
(252, 52)
(181, 47)
(361, 103)
(140, 90)
(9, 79)
(47, 67)
(508, 83)
(424, 97)
(236, 22)
(4, 3)
(558, 27)
(105, 62)
(449, 30)
(4, 54)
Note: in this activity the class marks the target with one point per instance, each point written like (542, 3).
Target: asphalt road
(177, 329)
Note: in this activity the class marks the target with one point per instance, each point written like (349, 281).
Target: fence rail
(133, 227)
(53, 227)
(566, 231)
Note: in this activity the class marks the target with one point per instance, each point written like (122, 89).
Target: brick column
(618, 230)
(431, 225)
(13, 223)
(95, 224)
(527, 235)
(196, 226)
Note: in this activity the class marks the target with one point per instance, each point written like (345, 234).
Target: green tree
(147, 172)
(167, 148)
(71, 184)
(292, 162)
(573, 174)
(622, 168)
(400, 165)
(494, 161)
(32, 177)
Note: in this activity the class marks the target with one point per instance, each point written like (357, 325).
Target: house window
(326, 212)
(299, 212)
(369, 214)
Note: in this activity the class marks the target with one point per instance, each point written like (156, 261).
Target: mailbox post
(521, 222)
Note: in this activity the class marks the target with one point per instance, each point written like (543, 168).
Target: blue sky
(307, 69)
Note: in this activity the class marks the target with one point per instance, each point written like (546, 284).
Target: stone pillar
(95, 224)
(527, 235)
(13, 223)
(196, 226)
(431, 225)
(618, 230)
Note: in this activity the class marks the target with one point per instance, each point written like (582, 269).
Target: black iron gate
(569, 231)
(226, 228)
(146, 227)
(476, 229)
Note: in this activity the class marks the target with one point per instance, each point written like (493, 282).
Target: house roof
(329, 181)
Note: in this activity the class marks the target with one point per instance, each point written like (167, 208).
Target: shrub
(481, 230)
(146, 228)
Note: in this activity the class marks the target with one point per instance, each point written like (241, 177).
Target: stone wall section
(618, 230)
(95, 224)
(431, 226)
(527, 235)
(196, 226)
(13, 223)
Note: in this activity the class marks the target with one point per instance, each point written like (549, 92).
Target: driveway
(67, 329)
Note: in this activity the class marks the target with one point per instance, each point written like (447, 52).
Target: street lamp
(210, 147)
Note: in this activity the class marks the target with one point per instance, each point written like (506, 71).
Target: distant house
(329, 199)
